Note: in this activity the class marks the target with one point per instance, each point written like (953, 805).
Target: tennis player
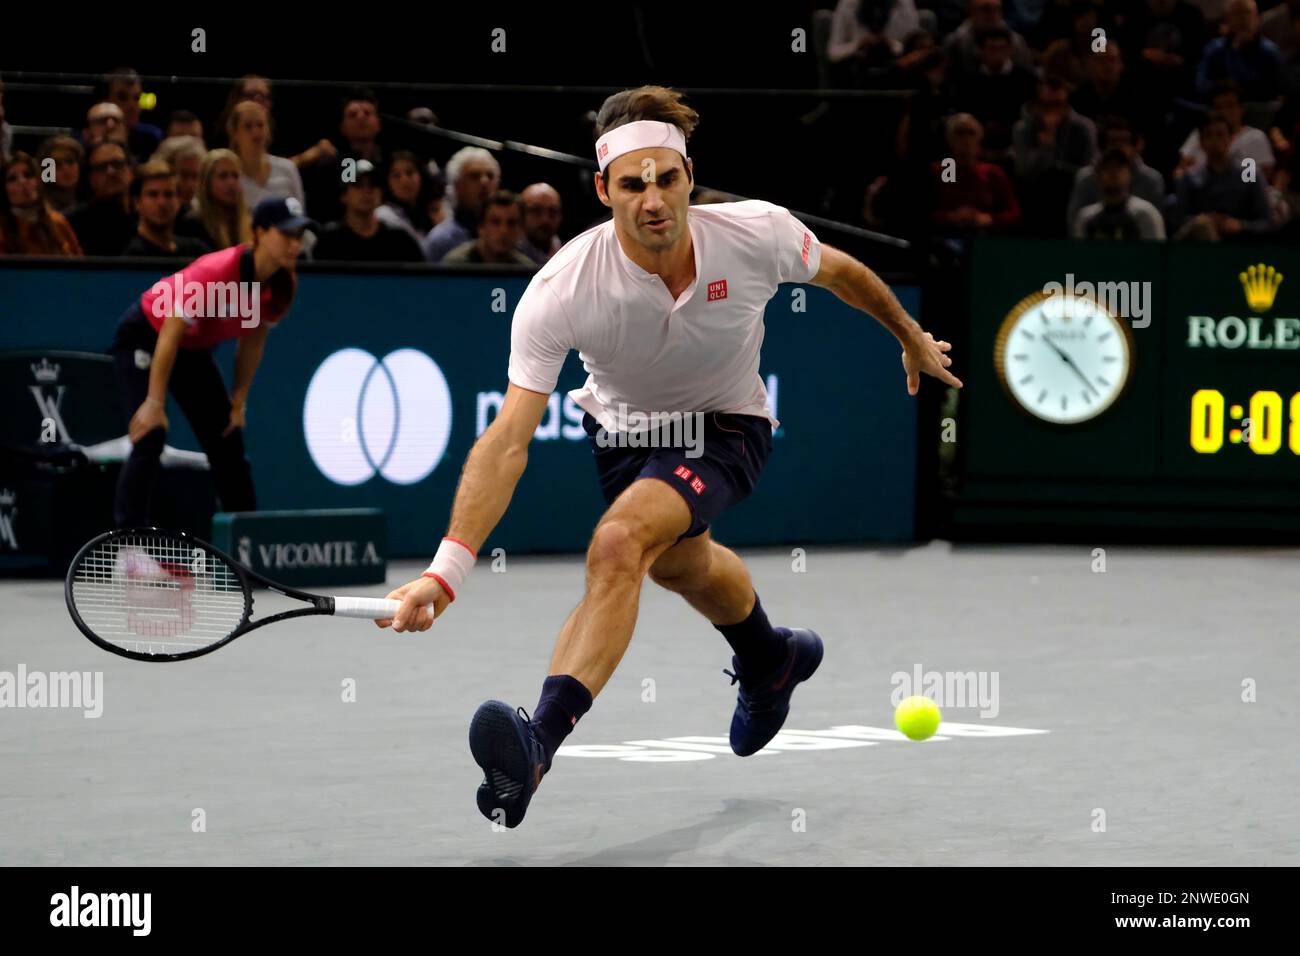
(664, 304)
(166, 340)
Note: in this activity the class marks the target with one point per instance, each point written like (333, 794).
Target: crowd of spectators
(1092, 119)
(1136, 119)
(123, 187)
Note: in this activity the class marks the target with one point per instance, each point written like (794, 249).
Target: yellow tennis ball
(917, 718)
(148, 101)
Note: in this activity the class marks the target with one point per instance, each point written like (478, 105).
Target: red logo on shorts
(718, 290)
(681, 471)
(697, 485)
(807, 244)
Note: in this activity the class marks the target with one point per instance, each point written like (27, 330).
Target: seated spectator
(1247, 141)
(1051, 142)
(261, 174)
(1165, 38)
(1144, 182)
(408, 197)
(157, 204)
(258, 89)
(919, 53)
(866, 36)
(124, 92)
(979, 197)
(1066, 55)
(248, 87)
(184, 123)
(1241, 55)
(358, 138)
(1279, 26)
(28, 226)
(184, 154)
(105, 223)
(68, 156)
(1119, 214)
(104, 121)
(360, 236)
(962, 45)
(219, 204)
(1215, 202)
(1105, 90)
(436, 208)
(499, 230)
(474, 175)
(543, 214)
(995, 91)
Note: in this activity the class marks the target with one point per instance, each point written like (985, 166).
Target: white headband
(643, 134)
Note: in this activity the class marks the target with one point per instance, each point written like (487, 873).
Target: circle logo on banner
(364, 415)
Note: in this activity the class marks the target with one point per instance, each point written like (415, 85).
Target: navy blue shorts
(734, 450)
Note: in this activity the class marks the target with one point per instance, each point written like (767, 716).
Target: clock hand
(1074, 368)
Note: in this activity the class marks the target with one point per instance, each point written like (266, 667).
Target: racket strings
(157, 595)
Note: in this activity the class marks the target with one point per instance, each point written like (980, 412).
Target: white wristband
(451, 565)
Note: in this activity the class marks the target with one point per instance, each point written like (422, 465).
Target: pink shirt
(218, 298)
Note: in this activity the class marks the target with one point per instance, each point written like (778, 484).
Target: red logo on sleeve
(807, 244)
(681, 471)
(718, 290)
(697, 485)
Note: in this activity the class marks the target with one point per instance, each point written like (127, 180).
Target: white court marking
(678, 749)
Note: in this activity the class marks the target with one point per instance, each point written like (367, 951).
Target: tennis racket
(154, 595)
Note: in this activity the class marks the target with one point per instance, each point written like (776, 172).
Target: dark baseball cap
(284, 214)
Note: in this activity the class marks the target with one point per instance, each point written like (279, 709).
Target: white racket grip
(372, 609)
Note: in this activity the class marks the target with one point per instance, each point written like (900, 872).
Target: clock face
(1063, 358)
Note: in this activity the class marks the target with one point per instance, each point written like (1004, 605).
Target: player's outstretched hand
(924, 354)
(416, 597)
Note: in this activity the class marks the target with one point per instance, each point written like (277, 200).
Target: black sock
(563, 701)
(760, 647)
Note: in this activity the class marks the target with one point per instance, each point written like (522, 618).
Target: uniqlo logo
(681, 471)
(718, 290)
(697, 485)
(604, 150)
(807, 244)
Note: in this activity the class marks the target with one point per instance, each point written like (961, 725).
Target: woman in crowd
(262, 175)
(408, 196)
(258, 89)
(28, 225)
(69, 156)
(219, 203)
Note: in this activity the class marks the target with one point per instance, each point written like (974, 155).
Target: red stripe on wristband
(439, 578)
(472, 552)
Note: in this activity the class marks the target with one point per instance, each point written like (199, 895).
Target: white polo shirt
(643, 351)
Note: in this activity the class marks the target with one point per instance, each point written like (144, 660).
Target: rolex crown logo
(45, 372)
(1260, 283)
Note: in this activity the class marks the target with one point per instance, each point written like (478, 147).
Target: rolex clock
(1063, 357)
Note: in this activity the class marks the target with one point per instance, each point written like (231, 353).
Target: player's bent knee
(617, 547)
